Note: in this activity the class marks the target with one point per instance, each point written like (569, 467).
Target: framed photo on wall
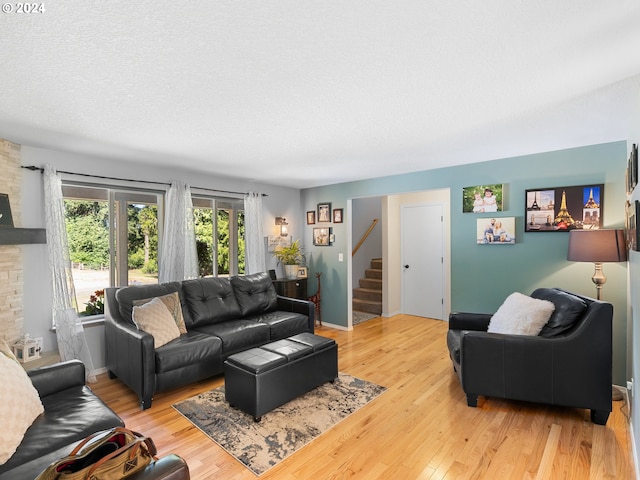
(324, 212)
(322, 236)
(496, 231)
(560, 209)
(482, 198)
(630, 224)
(311, 217)
(337, 215)
(632, 169)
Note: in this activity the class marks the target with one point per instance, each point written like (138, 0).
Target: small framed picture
(630, 225)
(496, 231)
(321, 236)
(311, 217)
(337, 215)
(482, 198)
(324, 212)
(302, 272)
(6, 220)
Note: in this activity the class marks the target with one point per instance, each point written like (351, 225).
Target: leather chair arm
(130, 355)
(469, 321)
(60, 376)
(169, 467)
(511, 366)
(304, 307)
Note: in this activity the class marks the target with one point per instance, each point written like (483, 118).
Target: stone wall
(11, 267)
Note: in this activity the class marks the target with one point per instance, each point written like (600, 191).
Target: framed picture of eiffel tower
(560, 209)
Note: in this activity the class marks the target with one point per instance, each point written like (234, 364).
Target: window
(113, 240)
(226, 255)
(114, 234)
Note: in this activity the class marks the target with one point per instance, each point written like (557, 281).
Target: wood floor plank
(420, 428)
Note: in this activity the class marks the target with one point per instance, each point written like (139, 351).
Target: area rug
(281, 432)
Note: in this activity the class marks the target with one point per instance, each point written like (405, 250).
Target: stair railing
(364, 237)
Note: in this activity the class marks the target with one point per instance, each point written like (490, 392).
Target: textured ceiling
(304, 93)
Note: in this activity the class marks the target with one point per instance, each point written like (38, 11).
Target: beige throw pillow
(154, 318)
(172, 302)
(20, 403)
(521, 315)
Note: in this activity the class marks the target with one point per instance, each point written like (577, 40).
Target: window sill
(89, 321)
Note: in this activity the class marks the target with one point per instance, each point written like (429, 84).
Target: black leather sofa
(223, 316)
(71, 413)
(569, 363)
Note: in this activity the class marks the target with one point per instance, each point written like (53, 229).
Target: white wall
(37, 292)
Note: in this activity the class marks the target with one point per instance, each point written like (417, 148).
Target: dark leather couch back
(255, 293)
(209, 300)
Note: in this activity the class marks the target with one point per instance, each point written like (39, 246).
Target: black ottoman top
(288, 348)
(314, 341)
(256, 360)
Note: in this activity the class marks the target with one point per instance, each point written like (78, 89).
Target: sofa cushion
(210, 300)
(187, 349)
(255, 293)
(20, 403)
(126, 296)
(153, 317)
(283, 324)
(238, 335)
(172, 302)
(70, 416)
(569, 309)
(521, 315)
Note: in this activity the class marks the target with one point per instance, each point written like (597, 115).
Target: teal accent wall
(483, 276)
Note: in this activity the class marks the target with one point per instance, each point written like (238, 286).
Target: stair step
(368, 306)
(373, 273)
(368, 294)
(373, 283)
(376, 263)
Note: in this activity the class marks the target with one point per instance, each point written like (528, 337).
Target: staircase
(368, 297)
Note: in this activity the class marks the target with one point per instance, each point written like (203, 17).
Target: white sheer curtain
(178, 256)
(72, 342)
(253, 235)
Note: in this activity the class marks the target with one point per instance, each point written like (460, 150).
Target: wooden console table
(296, 288)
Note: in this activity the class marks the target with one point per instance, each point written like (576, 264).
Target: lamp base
(616, 394)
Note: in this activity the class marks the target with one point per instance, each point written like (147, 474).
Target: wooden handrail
(364, 237)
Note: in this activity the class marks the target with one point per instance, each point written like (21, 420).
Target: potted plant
(291, 257)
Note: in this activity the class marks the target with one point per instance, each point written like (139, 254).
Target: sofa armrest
(130, 356)
(469, 321)
(57, 377)
(304, 307)
(507, 366)
(169, 467)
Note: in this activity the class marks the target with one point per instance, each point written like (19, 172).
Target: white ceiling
(305, 93)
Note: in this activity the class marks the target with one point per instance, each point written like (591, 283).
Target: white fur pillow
(153, 317)
(521, 315)
(20, 403)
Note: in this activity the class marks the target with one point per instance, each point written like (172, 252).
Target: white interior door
(422, 244)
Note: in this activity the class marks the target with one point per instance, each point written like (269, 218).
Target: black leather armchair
(568, 364)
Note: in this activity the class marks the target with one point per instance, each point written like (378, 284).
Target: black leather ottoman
(261, 379)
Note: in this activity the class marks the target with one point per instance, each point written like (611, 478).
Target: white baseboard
(99, 371)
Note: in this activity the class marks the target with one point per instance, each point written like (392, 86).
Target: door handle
(406, 266)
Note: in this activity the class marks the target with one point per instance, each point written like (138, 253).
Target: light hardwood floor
(420, 428)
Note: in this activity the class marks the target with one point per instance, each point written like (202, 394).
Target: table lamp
(597, 246)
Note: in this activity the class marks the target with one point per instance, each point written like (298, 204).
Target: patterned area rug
(281, 432)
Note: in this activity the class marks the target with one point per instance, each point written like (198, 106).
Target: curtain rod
(40, 169)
